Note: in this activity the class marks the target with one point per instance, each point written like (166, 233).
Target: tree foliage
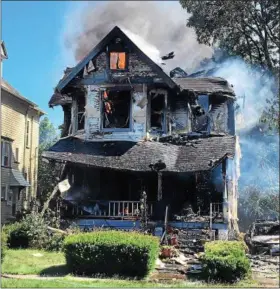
(254, 203)
(47, 170)
(249, 29)
(246, 28)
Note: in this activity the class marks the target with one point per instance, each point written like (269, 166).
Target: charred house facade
(130, 128)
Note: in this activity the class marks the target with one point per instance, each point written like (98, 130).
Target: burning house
(130, 128)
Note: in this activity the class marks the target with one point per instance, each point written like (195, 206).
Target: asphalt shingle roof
(204, 154)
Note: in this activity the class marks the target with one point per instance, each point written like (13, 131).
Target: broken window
(201, 110)
(117, 60)
(157, 111)
(116, 109)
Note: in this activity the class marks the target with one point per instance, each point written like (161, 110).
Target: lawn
(41, 263)
(37, 262)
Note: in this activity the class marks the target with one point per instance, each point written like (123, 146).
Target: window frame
(6, 146)
(103, 129)
(27, 132)
(126, 61)
(164, 120)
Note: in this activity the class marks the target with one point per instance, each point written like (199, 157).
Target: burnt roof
(59, 99)
(70, 73)
(207, 85)
(205, 154)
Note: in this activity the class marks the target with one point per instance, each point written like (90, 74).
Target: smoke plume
(157, 28)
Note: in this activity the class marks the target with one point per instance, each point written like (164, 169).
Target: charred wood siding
(219, 117)
(137, 72)
(93, 126)
(180, 114)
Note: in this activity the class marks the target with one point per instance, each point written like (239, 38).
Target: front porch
(99, 196)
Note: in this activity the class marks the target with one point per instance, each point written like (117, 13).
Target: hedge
(111, 253)
(225, 261)
(3, 245)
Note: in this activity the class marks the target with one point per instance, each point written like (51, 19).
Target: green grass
(24, 262)
(70, 282)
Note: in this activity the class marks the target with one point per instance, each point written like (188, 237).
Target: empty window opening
(117, 60)
(157, 112)
(116, 109)
(81, 113)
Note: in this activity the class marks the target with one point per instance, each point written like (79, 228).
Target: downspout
(24, 155)
(30, 153)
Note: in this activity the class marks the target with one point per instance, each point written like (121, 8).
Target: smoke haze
(156, 27)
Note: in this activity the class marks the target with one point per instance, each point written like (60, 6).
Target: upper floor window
(158, 112)
(27, 133)
(116, 108)
(118, 60)
(6, 153)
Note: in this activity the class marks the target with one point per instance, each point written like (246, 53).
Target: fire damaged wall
(101, 110)
(180, 114)
(99, 68)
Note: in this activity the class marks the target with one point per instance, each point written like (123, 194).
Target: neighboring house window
(116, 109)
(118, 60)
(6, 153)
(27, 133)
(3, 194)
(17, 156)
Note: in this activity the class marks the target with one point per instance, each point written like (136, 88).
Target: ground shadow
(57, 270)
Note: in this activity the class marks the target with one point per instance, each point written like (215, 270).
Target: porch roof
(205, 154)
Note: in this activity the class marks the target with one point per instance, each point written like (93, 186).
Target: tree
(47, 171)
(249, 29)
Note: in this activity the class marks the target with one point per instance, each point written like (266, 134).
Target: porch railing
(111, 209)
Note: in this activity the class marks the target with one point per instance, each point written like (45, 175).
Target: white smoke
(156, 27)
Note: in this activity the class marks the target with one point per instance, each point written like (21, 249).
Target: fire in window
(116, 109)
(157, 111)
(117, 60)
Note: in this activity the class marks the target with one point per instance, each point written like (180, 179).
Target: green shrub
(3, 244)
(225, 261)
(31, 232)
(55, 242)
(16, 236)
(111, 253)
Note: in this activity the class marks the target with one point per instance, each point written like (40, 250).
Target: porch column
(159, 192)
(225, 192)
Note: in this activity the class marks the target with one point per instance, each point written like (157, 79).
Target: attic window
(117, 60)
(116, 109)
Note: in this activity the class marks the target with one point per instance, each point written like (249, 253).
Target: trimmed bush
(3, 245)
(111, 253)
(225, 261)
(55, 242)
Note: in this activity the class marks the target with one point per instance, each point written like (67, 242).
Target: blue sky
(33, 35)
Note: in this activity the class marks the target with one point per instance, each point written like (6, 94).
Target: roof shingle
(203, 155)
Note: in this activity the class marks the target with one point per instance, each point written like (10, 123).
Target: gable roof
(115, 32)
(10, 89)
